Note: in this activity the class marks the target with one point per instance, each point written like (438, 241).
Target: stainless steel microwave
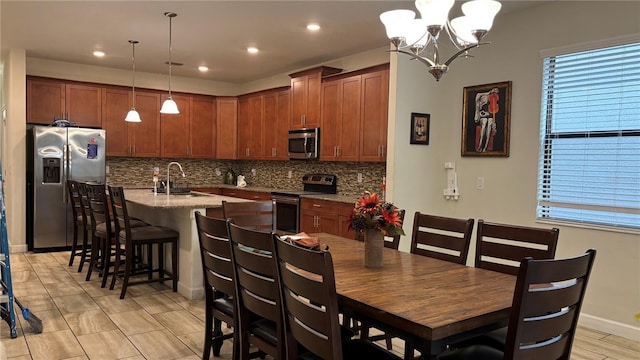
(304, 143)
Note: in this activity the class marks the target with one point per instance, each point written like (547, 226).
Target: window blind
(589, 162)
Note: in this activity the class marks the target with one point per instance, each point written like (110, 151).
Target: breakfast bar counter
(178, 212)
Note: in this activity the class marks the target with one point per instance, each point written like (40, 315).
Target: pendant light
(169, 106)
(132, 115)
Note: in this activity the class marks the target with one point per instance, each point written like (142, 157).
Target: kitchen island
(178, 212)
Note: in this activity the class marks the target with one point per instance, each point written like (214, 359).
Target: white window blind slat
(589, 163)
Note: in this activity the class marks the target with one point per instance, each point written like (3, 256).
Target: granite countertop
(195, 200)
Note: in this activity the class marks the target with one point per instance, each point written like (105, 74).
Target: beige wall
(509, 196)
(13, 144)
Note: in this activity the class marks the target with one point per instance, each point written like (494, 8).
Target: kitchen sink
(175, 191)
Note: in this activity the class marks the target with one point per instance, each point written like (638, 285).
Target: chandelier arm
(452, 33)
(422, 59)
(462, 51)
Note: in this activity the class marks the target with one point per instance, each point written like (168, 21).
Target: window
(589, 163)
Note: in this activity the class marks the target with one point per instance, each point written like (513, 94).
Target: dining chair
(500, 247)
(80, 224)
(310, 304)
(219, 287)
(257, 290)
(440, 237)
(257, 215)
(544, 315)
(133, 239)
(102, 234)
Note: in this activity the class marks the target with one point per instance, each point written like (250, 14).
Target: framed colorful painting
(486, 117)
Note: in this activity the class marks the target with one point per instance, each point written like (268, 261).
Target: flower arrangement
(372, 212)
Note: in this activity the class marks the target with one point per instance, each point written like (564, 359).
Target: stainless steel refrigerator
(54, 155)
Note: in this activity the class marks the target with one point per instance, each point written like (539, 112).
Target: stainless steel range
(288, 202)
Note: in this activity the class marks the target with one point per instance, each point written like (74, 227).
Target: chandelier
(420, 38)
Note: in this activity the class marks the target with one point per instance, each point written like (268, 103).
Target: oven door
(287, 214)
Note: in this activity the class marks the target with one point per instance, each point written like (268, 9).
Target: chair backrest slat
(501, 247)
(99, 207)
(441, 237)
(546, 304)
(310, 300)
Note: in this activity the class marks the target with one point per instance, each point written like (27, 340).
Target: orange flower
(369, 203)
(391, 217)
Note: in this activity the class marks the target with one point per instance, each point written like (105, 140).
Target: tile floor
(83, 321)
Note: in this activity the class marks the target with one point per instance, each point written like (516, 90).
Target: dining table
(427, 302)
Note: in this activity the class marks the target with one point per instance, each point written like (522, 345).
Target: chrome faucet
(168, 173)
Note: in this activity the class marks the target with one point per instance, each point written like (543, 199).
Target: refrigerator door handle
(65, 171)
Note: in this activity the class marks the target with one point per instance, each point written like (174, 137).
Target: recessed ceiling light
(252, 50)
(203, 68)
(98, 53)
(313, 27)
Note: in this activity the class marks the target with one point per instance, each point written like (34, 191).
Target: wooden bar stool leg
(161, 262)
(74, 243)
(149, 260)
(95, 257)
(127, 272)
(174, 264)
(85, 244)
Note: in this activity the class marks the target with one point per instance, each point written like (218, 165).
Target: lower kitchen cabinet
(325, 216)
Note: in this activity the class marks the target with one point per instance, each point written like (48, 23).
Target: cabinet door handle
(382, 151)
(337, 151)
(317, 205)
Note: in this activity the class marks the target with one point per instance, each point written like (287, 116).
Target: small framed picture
(419, 129)
(486, 118)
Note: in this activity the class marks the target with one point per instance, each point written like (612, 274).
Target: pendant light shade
(132, 115)
(169, 106)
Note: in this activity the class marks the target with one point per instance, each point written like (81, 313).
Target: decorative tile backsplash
(138, 172)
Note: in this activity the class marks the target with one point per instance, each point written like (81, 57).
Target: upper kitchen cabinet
(226, 127)
(174, 129)
(305, 96)
(49, 99)
(202, 127)
(341, 114)
(131, 139)
(375, 114)
(250, 115)
(354, 116)
(276, 119)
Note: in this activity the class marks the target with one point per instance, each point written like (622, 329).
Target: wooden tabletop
(424, 297)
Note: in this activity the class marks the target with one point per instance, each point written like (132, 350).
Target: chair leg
(149, 260)
(161, 262)
(208, 332)
(387, 339)
(127, 271)
(85, 244)
(174, 264)
(217, 332)
(106, 264)
(74, 244)
(116, 266)
(95, 256)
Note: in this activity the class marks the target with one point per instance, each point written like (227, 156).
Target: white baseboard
(610, 327)
(22, 248)
(190, 293)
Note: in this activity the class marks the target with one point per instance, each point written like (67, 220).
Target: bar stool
(143, 237)
(85, 253)
(80, 222)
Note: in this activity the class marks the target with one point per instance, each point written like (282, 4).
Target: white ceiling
(211, 33)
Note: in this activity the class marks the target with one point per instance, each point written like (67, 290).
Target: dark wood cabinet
(202, 127)
(375, 114)
(326, 216)
(276, 126)
(115, 105)
(354, 116)
(305, 96)
(226, 127)
(49, 99)
(174, 129)
(250, 119)
(341, 119)
(131, 139)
